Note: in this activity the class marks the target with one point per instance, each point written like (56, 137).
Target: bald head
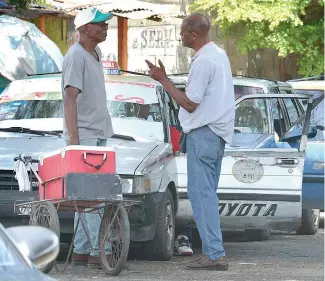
(197, 23)
(195, 31)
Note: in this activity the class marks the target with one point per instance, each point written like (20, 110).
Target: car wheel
(162, 246)
(309, 222)
(257, 234)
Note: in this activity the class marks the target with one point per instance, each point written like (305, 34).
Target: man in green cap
(86, 118)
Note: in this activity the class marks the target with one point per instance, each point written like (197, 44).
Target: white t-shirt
(210, 85)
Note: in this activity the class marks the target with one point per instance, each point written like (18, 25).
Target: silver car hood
(129, 154)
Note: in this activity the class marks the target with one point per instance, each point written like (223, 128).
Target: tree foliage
(24, 4)
(289, 26)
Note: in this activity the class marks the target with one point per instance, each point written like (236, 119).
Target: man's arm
(198, 81)
(180, 97)
(70, 113)
(72, 75)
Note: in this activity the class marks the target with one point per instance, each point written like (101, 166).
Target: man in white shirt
(207, 117)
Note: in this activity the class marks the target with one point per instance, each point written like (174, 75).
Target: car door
(313, 174)
(259, 188)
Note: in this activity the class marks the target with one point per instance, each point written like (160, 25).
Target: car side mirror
(39, 244)
(312, 132)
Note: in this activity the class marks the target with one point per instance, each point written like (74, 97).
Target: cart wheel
(114, 233)
(45, 214)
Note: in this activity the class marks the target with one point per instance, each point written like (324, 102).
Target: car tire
(162, 246)
(257, 234)
(309, 222)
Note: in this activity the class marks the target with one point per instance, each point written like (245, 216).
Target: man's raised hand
(155, 72)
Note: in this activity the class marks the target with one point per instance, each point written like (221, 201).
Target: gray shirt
(82, 71)
(211, 86)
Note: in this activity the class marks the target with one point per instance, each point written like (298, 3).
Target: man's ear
(83, 29)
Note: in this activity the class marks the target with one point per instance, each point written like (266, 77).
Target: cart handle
(25, 158)
(92, 153)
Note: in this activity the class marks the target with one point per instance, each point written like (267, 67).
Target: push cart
(99, 193)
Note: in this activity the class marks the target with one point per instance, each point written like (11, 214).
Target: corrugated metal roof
(34, 11)
(132, 9)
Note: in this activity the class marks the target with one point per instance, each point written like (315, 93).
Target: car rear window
(246, 90)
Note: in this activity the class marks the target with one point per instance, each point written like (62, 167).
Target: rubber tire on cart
(121, 221)
(309, 222)
(161, 248)
(257, 234)
(50, 220)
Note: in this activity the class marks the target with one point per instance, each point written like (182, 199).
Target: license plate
(22, 210)
(112, 71)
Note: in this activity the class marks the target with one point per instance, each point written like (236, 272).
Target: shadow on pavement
(232, 238)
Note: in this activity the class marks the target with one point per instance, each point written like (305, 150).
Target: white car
(260, 187)
(31, 112)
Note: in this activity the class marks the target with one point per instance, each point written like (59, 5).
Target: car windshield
(134, 109)
(317, 115)
(10, 260)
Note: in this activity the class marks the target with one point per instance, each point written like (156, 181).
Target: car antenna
(37, 74)
(134, 72)
(140, 73)
(318, 77)
(178, 74)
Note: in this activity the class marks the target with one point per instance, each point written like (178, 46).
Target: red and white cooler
(53, 167)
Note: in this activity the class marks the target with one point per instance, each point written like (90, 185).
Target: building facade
(161, 40)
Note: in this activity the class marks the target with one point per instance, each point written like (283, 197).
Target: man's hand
(159, 74)
(155, 72)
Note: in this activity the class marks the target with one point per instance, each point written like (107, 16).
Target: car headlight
(138, 185)
(141, 184)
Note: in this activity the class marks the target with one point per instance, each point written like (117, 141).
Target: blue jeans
(91, 221)
(204, 157)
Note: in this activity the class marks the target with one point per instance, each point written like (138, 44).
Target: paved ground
(285, 257)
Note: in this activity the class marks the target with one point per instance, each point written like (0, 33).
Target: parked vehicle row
(260, 187)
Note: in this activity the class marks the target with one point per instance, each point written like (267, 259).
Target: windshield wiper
(29, 131)
(123, 137)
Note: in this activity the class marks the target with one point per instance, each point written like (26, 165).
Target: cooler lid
(86, 148)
